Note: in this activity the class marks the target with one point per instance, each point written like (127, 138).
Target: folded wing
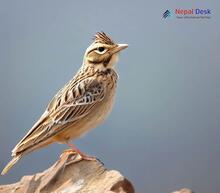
(71, 103)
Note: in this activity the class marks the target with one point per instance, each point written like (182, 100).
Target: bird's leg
(84, 156)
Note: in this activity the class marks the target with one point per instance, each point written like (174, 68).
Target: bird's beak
(118, 48)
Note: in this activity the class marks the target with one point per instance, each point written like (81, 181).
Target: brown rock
(71, 174)
(184, 190)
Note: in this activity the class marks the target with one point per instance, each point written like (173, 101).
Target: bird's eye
(101, 49)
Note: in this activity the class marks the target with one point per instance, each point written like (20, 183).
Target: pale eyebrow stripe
(92, 50)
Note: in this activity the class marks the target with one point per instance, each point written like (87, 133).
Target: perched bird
(82, 104)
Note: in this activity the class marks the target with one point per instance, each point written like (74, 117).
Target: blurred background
(164, 130)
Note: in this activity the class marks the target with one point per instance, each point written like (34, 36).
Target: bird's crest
(101, 37)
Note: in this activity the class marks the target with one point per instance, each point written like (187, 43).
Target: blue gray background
(164, 131)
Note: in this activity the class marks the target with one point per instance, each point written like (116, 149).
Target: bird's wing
(69, 105)
(86, 95)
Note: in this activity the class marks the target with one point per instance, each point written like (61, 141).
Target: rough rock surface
(71, 174)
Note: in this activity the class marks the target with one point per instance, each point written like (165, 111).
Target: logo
(190, 13)
(167, 14)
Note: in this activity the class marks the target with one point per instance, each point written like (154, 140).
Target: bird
(81, 105)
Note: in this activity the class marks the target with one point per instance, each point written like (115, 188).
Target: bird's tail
(14, 160)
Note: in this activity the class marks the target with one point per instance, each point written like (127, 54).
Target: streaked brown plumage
(82, 104)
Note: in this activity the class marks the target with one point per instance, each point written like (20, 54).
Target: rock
(71, 174)
(184, 190)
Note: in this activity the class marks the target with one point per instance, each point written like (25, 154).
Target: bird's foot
(69, 152)
(82, 155)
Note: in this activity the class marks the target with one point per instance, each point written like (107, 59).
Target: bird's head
(103, 52)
